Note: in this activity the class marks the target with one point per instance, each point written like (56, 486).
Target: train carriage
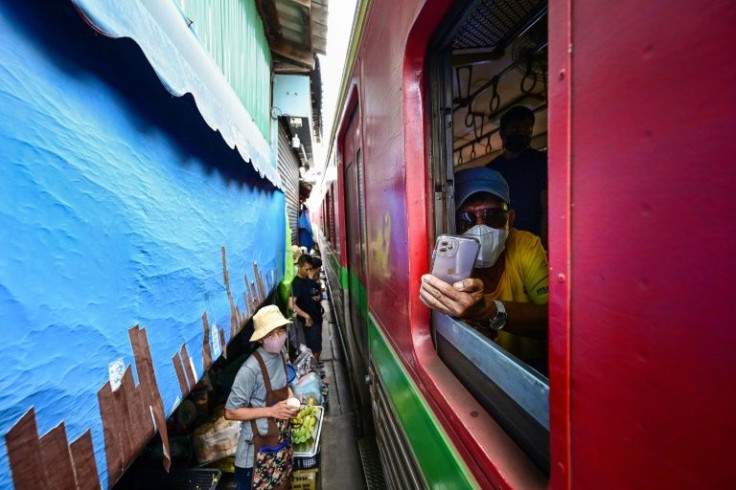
(634, 108)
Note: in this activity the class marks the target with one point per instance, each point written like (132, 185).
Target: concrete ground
(340, 465)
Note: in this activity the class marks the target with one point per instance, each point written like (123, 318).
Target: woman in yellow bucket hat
(259, 399)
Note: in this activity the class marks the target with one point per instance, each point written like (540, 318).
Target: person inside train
(506, 297)
(306, 302)
(525, 170)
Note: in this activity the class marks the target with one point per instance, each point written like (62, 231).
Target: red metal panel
(382, 58)
(559, 241)
(653, 221)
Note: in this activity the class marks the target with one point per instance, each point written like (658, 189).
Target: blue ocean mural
(134, 242)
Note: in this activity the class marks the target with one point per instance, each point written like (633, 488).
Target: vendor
(258, 398)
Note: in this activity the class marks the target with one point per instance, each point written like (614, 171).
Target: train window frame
(333, 226)
(513, 393)
(363, 232)
(326, 216)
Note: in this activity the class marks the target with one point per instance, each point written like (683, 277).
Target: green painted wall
(285, 284)
(232, 32)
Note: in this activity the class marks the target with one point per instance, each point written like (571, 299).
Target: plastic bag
(303, 363)
(308, 386)
(296, 335)
(217, 438)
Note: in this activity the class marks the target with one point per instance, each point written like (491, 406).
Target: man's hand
(308, 321)
(464, 299)
(283, 411)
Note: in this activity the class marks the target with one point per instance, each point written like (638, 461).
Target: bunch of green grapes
(300, 434)
(303, 424)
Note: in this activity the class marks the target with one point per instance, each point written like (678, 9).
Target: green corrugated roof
(232, 32)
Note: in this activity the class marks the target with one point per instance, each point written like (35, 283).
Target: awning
(183, 66)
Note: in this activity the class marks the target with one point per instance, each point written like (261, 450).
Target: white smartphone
(453, 257)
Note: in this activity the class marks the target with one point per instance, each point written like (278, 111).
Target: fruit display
(304, 424)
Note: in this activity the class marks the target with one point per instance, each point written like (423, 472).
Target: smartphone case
(453, 257)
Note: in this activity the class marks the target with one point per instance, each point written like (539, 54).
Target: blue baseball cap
(480, 179)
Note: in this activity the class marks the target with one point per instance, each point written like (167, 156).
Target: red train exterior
(642, 215)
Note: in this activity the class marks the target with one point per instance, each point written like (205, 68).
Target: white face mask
(492, 244)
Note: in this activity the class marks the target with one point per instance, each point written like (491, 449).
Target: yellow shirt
(525, 279)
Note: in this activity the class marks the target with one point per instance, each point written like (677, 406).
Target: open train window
(488, 57)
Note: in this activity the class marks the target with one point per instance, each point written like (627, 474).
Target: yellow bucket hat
(266, 320)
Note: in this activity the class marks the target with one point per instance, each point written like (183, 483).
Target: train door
(354, 204)
(357, 310)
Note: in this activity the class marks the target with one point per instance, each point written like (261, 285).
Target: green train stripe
(333, 261)
(342, 272)
(441, 465)
(344, 278)
(357, 291)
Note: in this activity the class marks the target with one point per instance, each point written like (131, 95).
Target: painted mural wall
(134, 245)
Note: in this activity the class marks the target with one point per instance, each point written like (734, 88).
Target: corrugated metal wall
(288, 166)
(232, 32)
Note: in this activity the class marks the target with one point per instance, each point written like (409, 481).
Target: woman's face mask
(274, 343)
(492, 244)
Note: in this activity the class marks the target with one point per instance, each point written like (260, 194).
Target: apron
(273, 451)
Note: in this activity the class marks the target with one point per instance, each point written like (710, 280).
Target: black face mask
(517, 142)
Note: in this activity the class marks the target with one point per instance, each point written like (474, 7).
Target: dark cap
(480, 179)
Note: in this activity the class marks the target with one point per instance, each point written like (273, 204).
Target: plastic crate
(301, 463)
(304, 479)
(178, 479)
(226, 465)
(199, 479)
